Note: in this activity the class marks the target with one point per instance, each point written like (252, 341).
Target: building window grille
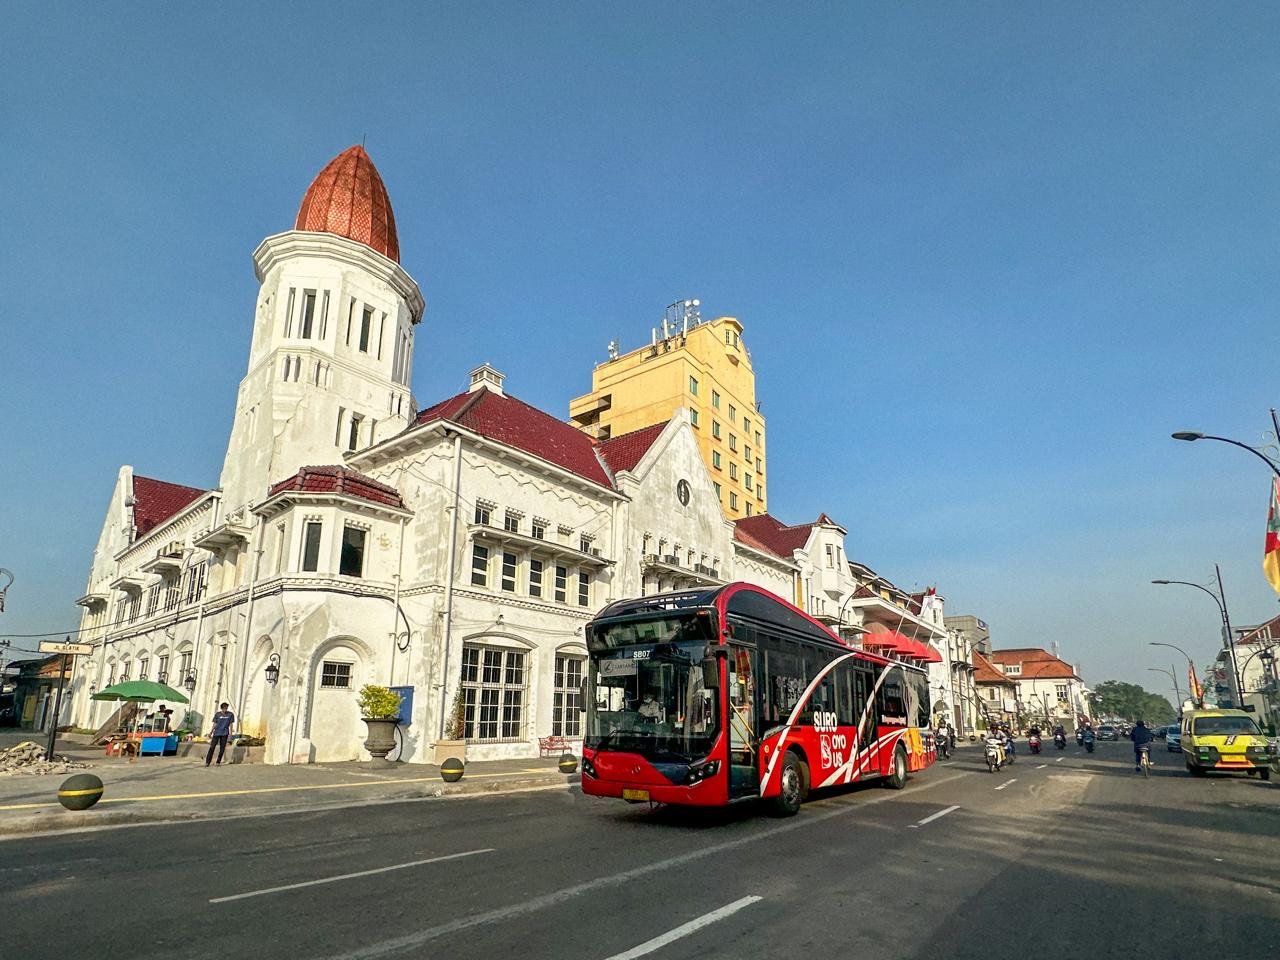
(693, 386)
(511, 522)
(482, 514)
(142, 668)
(535, 578)
(509, 572)
(715, 399)
(538, 530)
(153, 599)
(566, 713)
(308, 316)
(171, 593)
(366, 322)
(562, 583)
(584, 588)
(335, 674)
(493, 691)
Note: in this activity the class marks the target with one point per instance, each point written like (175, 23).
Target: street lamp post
(1177, 694)
(1191, 667)
(1220, 599)
(1190, 435)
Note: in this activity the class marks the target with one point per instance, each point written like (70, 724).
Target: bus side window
(846, 705)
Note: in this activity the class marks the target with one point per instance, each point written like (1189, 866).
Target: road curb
(54, 819)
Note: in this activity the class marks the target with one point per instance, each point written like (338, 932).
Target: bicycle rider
(1141, 737)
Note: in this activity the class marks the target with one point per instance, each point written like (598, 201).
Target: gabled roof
(1021, 655)
(624, 452)
(343, 480)
(986, 673)
(772, 534)
(1036, 664)
(155, 501)
(514, 423)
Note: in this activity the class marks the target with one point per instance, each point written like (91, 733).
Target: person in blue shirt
(224, 722)
(1141, 736)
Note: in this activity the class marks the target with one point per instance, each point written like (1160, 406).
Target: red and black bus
(710, 697)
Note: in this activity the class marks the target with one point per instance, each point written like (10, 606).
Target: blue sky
(987, 257)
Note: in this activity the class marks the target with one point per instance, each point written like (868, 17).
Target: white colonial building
(355, 539)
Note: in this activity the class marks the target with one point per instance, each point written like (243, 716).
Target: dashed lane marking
(348, 876)
(685, 929)
(1006, 783)
(934, 816)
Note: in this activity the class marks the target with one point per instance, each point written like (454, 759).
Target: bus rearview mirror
(711, 673)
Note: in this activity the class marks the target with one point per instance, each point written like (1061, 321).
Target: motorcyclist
(1141, 735)
(1008, 741)
(944, 737)
(995, 738)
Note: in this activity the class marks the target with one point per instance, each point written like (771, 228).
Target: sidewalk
(151, 789)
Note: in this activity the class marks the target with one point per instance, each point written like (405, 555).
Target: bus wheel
(897, 778)
(787, 802)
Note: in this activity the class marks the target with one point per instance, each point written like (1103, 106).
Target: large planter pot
(382, 736)
(449, 749)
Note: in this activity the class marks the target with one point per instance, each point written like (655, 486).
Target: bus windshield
(646, 693)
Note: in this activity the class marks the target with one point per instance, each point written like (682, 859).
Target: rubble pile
(27, 759)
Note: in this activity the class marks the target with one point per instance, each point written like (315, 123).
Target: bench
(552, 746)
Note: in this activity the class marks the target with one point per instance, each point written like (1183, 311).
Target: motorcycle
(1060, 741)
(1033, 742)
(944, 746)
(992, 756)
(1088, 744)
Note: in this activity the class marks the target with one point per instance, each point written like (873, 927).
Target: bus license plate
(635, 794)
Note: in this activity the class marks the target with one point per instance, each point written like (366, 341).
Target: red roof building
(339, 480)
(348, 198)
(624, 452)
(1033, 663)
(155, 501)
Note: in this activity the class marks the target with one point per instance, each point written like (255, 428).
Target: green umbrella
(140, 691)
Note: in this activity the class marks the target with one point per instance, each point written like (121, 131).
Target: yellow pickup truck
(1226, 740)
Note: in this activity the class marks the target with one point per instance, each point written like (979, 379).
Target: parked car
(1160, 732)
(1173, 740)
(1107, 732)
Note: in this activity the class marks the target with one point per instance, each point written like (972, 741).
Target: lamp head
(1164, 582)
(1187, 435)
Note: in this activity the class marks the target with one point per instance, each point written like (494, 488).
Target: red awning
(892, 642)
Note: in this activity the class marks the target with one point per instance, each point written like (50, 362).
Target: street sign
(67, 649)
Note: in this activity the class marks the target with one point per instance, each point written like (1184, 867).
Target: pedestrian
(224, 722)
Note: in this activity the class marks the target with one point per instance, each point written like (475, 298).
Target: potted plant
(453, 744)
(380, 710)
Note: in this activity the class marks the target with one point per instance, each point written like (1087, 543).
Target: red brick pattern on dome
(624, 452)
(155, 501)
(348, 198)
(342, 480)
(776, 536)
(516, 424)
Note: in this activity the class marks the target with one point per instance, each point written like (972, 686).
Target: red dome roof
(347, 198)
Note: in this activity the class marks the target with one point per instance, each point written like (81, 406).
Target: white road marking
(348, 876)
(1059, 760)
(685, 929)
(1042, 766)
(414, 941)
(1006, 783)
(934, 816)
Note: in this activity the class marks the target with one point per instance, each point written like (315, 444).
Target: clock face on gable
(683, 492)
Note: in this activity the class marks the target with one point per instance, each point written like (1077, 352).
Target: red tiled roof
(342, 480)
(348, 198)
(986, 673)
(1021, 655)
(773, 535)
(516, 424)
(155, 501)
(1036, 664)
(624, 452)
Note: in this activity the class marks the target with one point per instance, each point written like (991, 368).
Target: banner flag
(1271, 547)
(1193, 683)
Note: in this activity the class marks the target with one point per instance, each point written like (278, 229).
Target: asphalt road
(1062, 855)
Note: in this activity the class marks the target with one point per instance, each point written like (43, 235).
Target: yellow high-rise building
(701, 365)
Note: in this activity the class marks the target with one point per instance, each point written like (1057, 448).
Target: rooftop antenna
(613, 349)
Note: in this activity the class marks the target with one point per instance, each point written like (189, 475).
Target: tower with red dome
(331, 356)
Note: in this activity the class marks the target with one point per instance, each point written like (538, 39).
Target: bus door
(744, 742)
(863, 684)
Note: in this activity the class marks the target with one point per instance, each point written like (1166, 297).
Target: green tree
(1128, 701)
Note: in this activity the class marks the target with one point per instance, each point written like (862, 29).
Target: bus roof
(745, 600)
